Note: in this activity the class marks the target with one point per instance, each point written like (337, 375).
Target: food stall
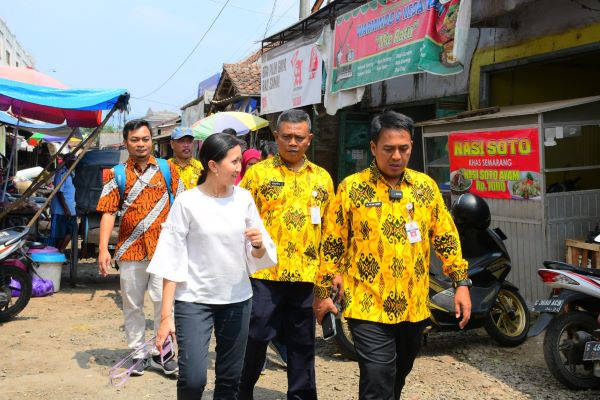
(537, 166)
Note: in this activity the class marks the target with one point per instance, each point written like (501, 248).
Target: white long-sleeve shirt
(203, 248)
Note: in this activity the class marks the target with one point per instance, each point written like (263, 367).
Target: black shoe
(139, 366)
(169, 368)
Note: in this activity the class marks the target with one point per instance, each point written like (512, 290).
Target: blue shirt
(68, 191)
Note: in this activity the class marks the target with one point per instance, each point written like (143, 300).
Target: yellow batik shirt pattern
(386, 278)
(190, 173)
(284, 199)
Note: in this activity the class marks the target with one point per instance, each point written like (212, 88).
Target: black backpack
(88, 178)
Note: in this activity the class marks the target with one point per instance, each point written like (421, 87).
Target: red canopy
(53, 115)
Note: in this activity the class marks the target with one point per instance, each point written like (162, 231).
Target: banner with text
(498, 164)
(291, 76)
(384, 39)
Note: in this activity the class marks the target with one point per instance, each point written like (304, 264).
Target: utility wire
(252, 11)
(189, 55)
(270, 17)
(252, 42)
(154, 101)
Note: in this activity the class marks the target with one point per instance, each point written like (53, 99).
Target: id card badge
(315, 215)
(412, 230)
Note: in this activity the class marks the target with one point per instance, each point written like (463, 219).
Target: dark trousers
(386, 354)
(194, 324)
(286, 306)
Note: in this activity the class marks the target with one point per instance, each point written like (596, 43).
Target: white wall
(19, 57)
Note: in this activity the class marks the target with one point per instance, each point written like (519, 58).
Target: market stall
(36, 106)
(537, 166)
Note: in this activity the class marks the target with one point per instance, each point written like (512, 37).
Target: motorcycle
(15, 281)
(569, 318)
(497, 305)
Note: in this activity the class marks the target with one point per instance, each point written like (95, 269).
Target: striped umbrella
(240, 121)
(37, 138)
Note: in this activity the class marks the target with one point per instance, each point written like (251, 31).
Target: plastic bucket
(49, 266)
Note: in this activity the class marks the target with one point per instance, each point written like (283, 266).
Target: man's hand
(338, 287)
(322, 306)
(107, 223)
(462, 305)
(104, 261)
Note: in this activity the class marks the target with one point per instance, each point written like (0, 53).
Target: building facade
(11, 52)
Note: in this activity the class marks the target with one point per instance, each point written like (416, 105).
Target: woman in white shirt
(211, 242)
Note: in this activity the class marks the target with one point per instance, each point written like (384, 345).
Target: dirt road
(62, 346)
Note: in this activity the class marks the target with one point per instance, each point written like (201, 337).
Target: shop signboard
(291, 77)
(385, 39)
(496, 164)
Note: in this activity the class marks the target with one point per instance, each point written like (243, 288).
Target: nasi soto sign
(499, 164)
(384, 39)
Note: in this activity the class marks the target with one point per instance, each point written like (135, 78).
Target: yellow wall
(502, 85)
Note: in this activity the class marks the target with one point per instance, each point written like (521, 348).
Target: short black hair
(230, 131)
(390, 120)
(294, 116)
(215, 148)
(133, 125)
(268, 149)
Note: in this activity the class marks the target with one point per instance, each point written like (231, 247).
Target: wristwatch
(465, 282)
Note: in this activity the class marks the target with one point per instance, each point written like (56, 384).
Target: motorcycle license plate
(548, 305)
(592, 351)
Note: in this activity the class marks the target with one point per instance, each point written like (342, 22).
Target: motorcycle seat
(568, 267)
(477, 264)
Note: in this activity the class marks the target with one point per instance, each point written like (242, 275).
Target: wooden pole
(35, 185)
(37, 182)
(86, 144)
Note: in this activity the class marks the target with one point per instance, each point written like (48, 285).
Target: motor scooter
(497, 305)
(569, 318)
(15, 280)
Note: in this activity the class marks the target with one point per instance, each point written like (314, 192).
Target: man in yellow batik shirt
(182, 143)
(292, 195)
(378, 230)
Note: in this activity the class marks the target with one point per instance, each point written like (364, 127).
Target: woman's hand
(255, 237)
(166, 328)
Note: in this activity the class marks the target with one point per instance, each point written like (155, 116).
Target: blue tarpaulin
(73, 99)
(47, 129)
(79, 107)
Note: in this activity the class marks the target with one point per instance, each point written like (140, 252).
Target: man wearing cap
(182, 142)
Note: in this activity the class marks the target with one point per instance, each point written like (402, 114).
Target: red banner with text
(498, 164)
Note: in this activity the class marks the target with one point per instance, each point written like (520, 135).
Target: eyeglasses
(117, 375)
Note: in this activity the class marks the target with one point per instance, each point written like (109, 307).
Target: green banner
(385, 39)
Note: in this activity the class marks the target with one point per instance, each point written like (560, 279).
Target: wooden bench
(579, 252)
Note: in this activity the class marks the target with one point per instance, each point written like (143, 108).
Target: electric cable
(251, 10)
(270, 17)
(189, 55)
(253, 42)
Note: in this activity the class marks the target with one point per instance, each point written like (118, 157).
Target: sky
(137, 45)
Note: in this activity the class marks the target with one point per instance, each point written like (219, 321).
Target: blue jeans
(194, 323)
